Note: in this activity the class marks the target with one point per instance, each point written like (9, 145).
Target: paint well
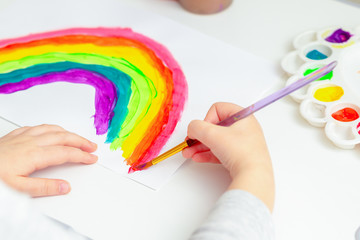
(329, 94)
(346, 115)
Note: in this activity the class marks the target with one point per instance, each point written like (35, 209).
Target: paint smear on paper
(140, 88)
(316, 55)
(345, 115)
(326, 77)
(339, 36)
(329, 94)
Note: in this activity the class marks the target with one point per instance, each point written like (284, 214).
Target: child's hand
(28, 149)
(241, 148)
(237, 146)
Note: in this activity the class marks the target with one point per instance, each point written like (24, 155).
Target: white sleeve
(20, 221)
(238, 215)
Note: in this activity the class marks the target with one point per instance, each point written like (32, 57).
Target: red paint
(345, 115)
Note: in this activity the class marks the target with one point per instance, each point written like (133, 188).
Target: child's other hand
(241, 148)
(28, 149)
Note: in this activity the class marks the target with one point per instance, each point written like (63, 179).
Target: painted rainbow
(140, 89)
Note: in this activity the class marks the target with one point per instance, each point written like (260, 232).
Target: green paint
(326, 77)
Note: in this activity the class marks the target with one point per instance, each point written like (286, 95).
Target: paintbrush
(245, 112)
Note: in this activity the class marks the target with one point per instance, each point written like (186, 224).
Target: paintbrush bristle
(160, 158)
(140, 167)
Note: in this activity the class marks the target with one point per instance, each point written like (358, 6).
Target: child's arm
(240, 213)
(241, 148)
(28, 149)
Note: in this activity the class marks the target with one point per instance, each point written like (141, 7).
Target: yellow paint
(329, 94)
(326, 34)
(343, 45)
(131, 54)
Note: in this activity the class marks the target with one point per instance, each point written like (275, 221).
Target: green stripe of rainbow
(149, 85)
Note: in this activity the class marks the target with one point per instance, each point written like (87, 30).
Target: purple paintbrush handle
(279, 94)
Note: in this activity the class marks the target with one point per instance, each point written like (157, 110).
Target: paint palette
(333, 101)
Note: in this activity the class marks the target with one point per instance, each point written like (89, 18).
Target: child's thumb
(204, 132)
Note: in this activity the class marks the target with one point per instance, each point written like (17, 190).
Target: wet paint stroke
(112, 87)
(140, 88)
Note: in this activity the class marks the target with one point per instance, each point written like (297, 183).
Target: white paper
(214, 72)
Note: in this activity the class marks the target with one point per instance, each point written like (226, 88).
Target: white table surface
(317, 184)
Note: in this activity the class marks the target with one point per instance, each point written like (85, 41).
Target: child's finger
(189, 151)
(18, 131)
(207, 133)
(206, 156)
(64, 138)
(220, 111)
(44, 128)
(57, 155)
(200, 153)
(39, 187)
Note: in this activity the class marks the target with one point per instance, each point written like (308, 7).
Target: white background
(317, 184)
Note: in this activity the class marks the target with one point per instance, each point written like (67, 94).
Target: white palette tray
(332, 102)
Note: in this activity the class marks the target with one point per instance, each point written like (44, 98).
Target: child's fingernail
(64, 188)
(93, 158)
(94, 145)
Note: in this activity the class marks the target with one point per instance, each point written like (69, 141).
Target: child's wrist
(253, 168)
(257, 180)
(253, 164)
